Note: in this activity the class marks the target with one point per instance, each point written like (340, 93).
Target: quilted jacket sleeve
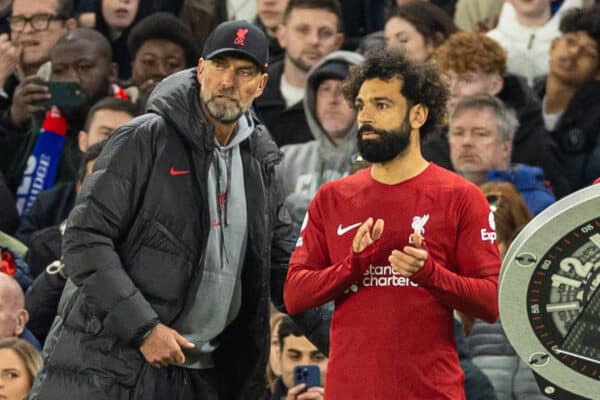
(102, 217)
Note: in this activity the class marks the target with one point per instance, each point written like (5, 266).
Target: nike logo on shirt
(175, 172)
(343, 230)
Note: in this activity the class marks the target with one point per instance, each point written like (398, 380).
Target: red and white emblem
(240, 38)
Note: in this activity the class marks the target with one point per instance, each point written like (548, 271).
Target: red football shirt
(392, 337)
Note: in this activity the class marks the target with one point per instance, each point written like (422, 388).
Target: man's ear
(507, 148)
(82, 140)
(418, 116)
(22, 318)
(200, 69)
(281, 34)
(264, 78)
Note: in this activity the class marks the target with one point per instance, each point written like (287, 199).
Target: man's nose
(466, 140)
(336, 97)
(574, 49)
(161, 69)
(227, 78)
(364, 116)
(313, 37)
(306, 360)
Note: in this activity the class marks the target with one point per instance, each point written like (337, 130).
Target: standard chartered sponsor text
(384, 275)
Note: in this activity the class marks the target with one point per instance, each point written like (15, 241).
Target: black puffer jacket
(134, 248)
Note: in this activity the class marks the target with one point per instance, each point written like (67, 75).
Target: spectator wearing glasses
(35, 26)
(82, 56)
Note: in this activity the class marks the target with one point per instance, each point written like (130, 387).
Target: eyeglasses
(39, 22)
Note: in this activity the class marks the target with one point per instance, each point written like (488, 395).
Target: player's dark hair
(421, 84)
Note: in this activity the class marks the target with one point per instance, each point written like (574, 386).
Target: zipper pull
(530, 43)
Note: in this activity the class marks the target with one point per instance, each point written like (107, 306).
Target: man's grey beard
(225, 113)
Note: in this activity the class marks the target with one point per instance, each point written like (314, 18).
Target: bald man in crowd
(13, 315)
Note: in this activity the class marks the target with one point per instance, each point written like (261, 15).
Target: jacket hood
(317, 130)
(176, 99)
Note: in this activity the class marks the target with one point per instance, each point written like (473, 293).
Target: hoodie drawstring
(223, 191)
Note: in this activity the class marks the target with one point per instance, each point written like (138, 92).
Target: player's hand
(27, 94)
(367, 233)
(313, 393)
(163, 347)
(467, 322)
(409, 261)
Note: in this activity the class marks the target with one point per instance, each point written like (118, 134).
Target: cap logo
(240, 38)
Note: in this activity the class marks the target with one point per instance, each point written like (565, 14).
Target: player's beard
(387, 146)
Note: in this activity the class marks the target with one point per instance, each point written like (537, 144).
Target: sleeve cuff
(359, 263)
(423, 276)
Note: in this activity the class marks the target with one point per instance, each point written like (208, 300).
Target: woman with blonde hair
(19, 364)
(273, 366)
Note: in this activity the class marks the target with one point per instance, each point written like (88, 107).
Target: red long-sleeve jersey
(392, 337)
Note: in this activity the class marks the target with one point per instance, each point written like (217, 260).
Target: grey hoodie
(307, 166)
(219, 296)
